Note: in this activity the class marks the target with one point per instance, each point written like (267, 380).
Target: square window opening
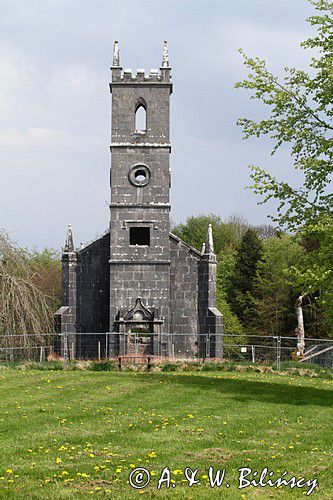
(140, 236)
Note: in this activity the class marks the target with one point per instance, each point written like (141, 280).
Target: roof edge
(179, 240)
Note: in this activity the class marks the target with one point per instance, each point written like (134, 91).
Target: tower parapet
(160, 76)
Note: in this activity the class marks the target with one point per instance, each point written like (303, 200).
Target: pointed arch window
(141, 118)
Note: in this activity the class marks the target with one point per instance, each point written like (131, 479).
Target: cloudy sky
(55, 57)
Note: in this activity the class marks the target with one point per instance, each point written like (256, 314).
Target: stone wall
(184, 295)
(93, 286)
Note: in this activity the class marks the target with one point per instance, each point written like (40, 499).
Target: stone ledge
(140, 205)
(140, 262)
(140, 145)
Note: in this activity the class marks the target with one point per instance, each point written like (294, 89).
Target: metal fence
(135, 346)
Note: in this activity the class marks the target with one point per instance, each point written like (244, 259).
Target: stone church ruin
(139, 280)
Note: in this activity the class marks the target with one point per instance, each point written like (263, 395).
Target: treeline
(262, 272)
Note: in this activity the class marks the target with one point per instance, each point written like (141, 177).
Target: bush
(45, 365)
(103, 366)
(210, 367)
(170, 367)
(192, 366)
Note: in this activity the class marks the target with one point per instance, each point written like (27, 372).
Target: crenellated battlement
(120, 75)
(127, 75)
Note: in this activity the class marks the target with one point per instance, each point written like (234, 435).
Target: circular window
(139, 175)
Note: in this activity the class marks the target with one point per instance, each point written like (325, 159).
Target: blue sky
(55, 105)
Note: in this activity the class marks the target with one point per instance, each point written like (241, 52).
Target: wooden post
(119, 363)
(99, 351)
(148, 364)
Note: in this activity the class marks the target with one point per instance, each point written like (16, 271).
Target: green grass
(73, 434)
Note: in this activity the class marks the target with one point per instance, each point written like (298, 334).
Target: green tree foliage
(242, 281)
(300, 115)
(225, 268)
(194, 232)
(274, 293)
(46, 267)
(314, 273)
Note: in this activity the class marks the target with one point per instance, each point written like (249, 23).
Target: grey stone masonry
(147, 289)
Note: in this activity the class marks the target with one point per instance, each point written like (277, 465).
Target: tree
(274, 291)
(194, 232)
(46, 268)
(26, 306)
(244, 275)
(23, 307)
(314, 273)
(301, 112)
(232, 327)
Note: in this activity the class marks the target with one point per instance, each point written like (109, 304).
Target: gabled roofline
(172, 236)
(194, 250)
(93, 242)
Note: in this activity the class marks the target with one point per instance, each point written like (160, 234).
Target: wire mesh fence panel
(26, 347)
(319, 353)
(137, 347)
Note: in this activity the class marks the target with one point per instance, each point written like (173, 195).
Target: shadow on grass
(250, 390)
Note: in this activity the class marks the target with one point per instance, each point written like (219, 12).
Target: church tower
(140, 205)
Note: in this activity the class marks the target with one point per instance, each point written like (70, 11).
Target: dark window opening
(140, 175)
(140, 236)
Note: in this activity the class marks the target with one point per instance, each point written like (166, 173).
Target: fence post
(253, 354)
(41, 355)
(208, 345)
(148, 364)
(136, 347)
(99, 350)
(119, 363)
(278, 353)
(106, 346)
(65, 348)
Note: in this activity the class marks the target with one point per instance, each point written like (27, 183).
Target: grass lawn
(76, 434)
